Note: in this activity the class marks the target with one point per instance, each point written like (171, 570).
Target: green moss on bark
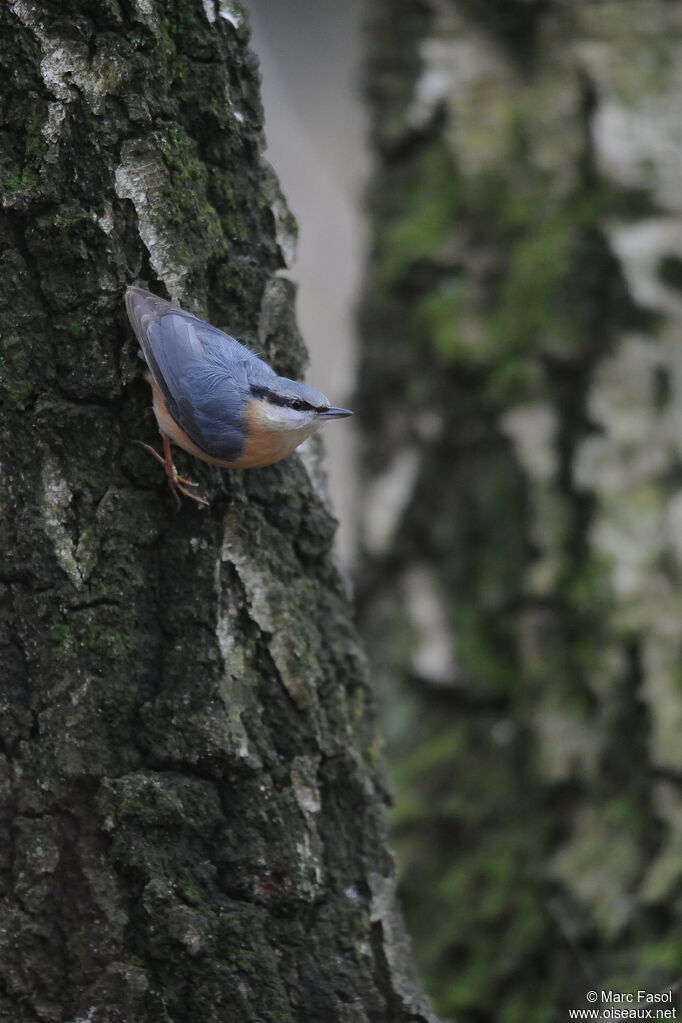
(187, 780)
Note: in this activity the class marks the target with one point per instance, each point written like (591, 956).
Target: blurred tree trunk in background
(191, 813)
(521, 397)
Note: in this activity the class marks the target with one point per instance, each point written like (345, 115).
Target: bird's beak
(335, 413)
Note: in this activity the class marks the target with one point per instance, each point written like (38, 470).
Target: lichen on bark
(188, 789)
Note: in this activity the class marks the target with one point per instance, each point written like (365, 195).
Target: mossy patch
(423, 208)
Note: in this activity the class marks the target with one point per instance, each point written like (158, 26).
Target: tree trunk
(520, 397)
(190, 798)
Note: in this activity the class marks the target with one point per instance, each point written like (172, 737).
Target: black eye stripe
(279, 399)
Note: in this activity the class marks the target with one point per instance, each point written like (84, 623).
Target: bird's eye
(296, 404)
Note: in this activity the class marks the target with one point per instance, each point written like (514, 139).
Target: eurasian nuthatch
(215, 398)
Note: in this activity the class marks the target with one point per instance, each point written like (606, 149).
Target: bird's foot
(177, 483)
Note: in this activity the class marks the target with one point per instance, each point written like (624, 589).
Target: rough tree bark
(521, 396)
(192, 813)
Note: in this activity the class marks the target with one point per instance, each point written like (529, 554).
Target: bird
(214, 397)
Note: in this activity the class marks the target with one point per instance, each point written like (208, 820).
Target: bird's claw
(178, 484)
(175, 483)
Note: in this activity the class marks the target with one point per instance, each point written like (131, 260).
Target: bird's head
(282, 404)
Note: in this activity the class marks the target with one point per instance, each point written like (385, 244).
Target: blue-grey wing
(201, 372)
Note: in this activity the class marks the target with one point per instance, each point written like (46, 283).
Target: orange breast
(264, 446)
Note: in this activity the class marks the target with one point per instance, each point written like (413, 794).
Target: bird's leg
(159, 458)
(178, 484)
